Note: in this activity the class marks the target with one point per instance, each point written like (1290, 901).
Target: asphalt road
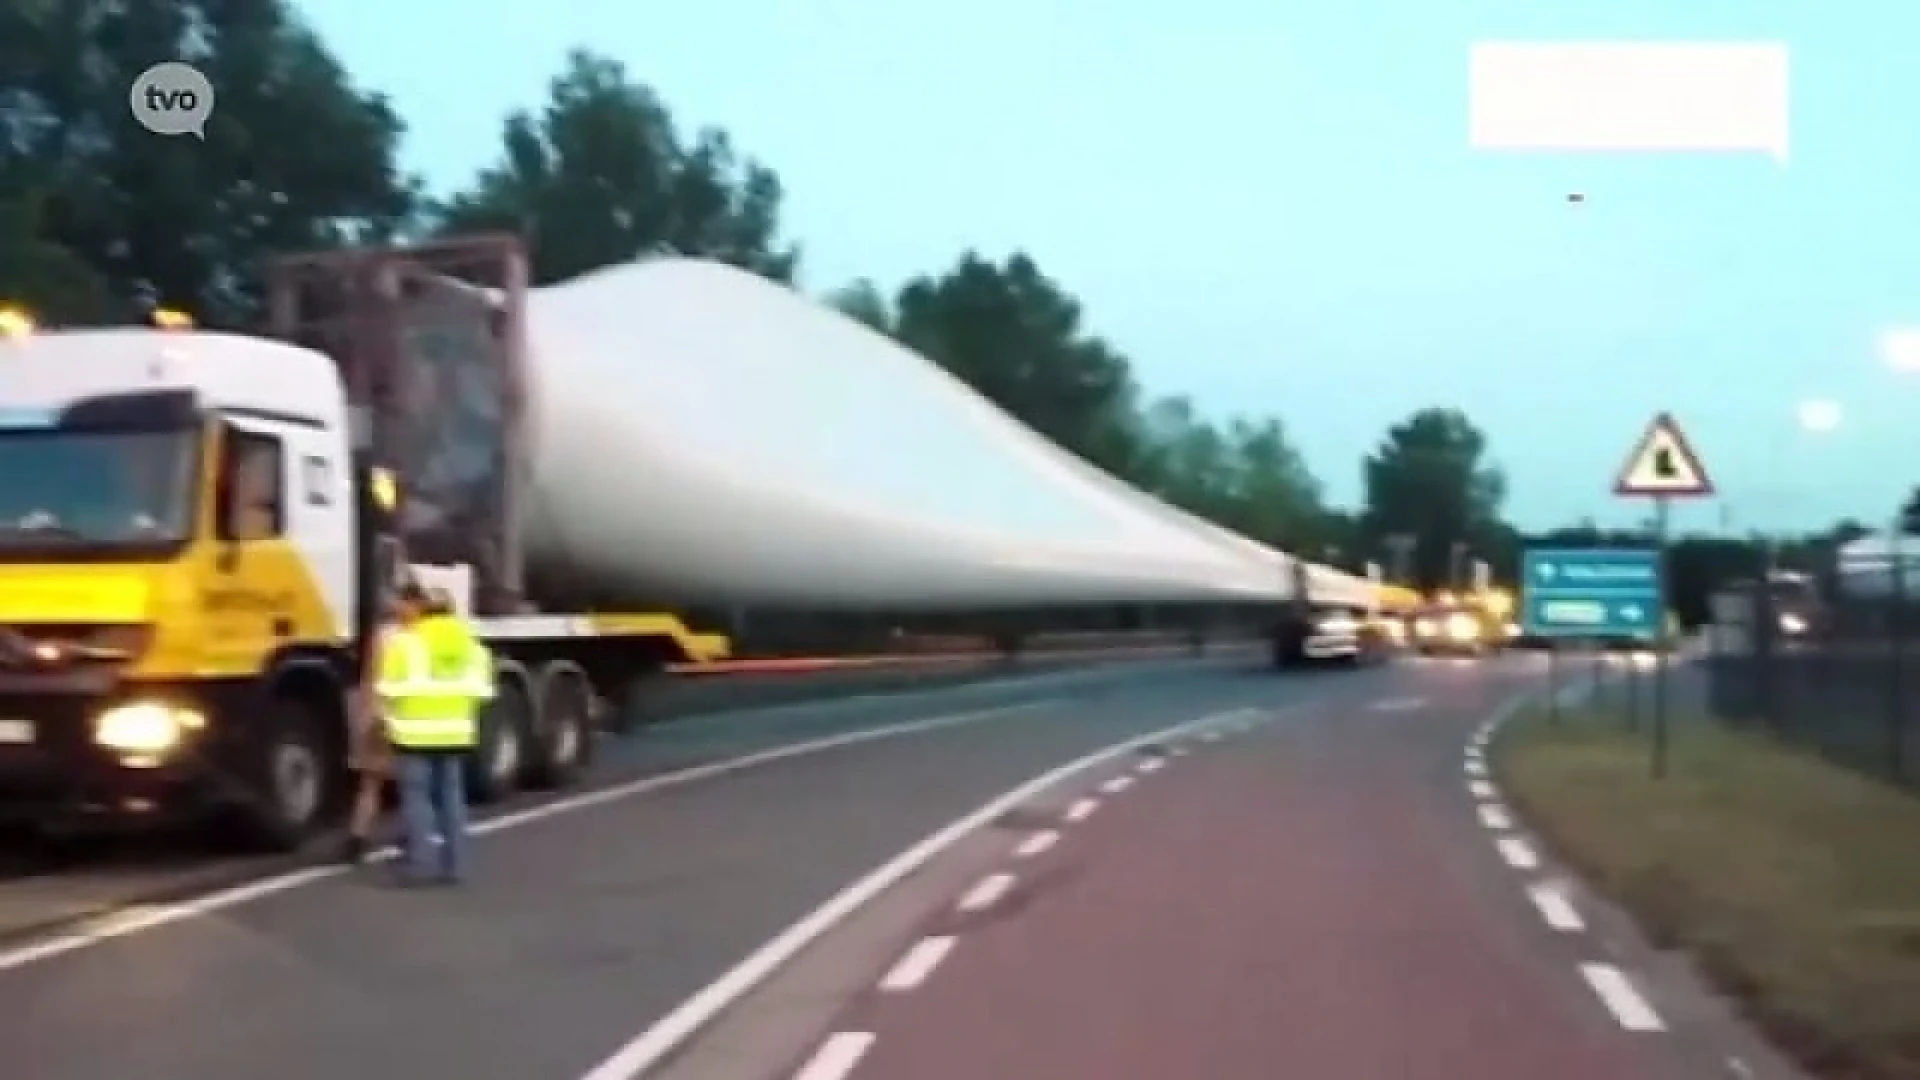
(37, 893)
(1313, 893)
(586, 923)
(1334, 893)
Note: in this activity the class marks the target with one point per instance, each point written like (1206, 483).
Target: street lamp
(1900, 350)
(1818, 416)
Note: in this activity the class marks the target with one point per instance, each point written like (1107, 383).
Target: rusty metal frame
(362, 334)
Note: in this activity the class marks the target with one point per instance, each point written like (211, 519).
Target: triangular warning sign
(1663, 463)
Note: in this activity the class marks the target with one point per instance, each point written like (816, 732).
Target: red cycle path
(1289, 905)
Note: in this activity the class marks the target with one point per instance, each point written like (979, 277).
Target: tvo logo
(172, 99)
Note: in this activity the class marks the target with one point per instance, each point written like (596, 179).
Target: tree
(1910, 513)
(1429, 477)
(1015, 336)
(603, 177)
(294, 156)
(49, 280)
(863, 302)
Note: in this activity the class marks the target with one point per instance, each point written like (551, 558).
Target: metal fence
(1830, 662)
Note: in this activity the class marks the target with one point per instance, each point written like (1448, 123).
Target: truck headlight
(1339, 625)
(1462, 628)
(1792, 624)
(1423, 627)
(144, 727)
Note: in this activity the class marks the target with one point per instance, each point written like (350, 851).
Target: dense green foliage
(98, 217)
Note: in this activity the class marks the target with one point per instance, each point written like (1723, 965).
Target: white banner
(1627, 96)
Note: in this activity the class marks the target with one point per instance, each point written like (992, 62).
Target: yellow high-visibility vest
(433, 676)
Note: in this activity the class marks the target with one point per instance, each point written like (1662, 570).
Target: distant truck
(196, 527)
(1469, 624)
(1339, 620)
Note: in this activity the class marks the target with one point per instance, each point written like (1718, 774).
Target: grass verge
(1795, 884)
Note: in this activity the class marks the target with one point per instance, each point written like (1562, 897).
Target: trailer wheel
(500, 758)
(291, 798)
(562, 745)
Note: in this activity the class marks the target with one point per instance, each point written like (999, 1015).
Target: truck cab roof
(51, 370)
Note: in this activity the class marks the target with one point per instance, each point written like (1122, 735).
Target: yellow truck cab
(193, 555)
(177, 572)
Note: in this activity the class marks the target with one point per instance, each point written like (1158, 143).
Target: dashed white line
(1555, 908)
(671, 1032)
(1495, 817)
(917, 964)
(1622, 999)
(837, 1056)
(1117, 785)
(986, 893)
(1481, 789)
(1178, 751)
(1082, 810)
(1518, 853)
(1476, 767)
(1212, 736)
(1037, 843)
(1152, 764)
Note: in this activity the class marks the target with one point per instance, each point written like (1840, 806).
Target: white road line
(1151, 765)
(1622, 999)
(1495, 817)
(986, 893)
(1037, 843)
(156, 916)
(1405, 704)
(917, 964)
(1082, 810)
(1518, 853)
(1211, 736)
(837, 1056)
(1476, 767)
(1117, 785)
(1177, 751)
(1482, 789)
(671, 1031)
(1555, 908)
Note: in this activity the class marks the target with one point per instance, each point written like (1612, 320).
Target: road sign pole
(1660, 521)
(1553, 683)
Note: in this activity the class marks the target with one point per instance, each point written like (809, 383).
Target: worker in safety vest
(433, 675)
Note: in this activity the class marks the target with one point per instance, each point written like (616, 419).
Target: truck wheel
(292, 795)
(563, 743)
(501, 755)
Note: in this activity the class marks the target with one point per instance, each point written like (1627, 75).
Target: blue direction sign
(1591, 592)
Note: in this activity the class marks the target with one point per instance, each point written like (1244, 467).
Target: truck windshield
(111, 492)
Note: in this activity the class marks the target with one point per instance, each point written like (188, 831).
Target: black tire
(500, 758)
(294, 790)
(562, 746)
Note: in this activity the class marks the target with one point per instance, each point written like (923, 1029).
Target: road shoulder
(1758, 889)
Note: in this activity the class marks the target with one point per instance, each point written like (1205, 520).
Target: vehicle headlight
(1338, 624)
(1513, 629)
(144, 727)
(1423, 627)
(1461, 627)
(1792, 624)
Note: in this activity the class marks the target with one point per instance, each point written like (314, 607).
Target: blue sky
(1276, 210)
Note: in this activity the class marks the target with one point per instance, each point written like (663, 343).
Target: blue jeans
(433, 799)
